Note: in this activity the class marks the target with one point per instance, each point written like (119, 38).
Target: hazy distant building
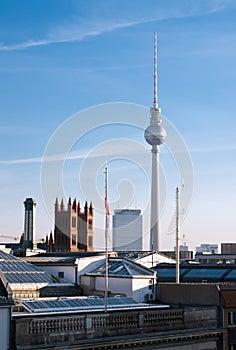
(127, 230)
(183, 254)
(182, 248)
(29, 223)
(228, 248)
(73, 228)
(207, 248)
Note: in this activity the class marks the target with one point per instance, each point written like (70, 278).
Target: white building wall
(87, 264)
(115, 285)
(141, 289)
(82, 266)
(4, 328)
(136, 288)
(69, 271)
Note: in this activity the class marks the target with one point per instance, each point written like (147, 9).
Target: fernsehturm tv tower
(155, 135)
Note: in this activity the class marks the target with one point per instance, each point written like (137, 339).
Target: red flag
(107, 207)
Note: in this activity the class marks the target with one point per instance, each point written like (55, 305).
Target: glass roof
(6, 257)
(121, 268)
(231, 275)
(168, 272)
(67, 304)
(17, 265)
(16, 270)
(28, 278)
(202, 273)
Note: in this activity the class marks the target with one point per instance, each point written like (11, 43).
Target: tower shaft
(155, 202)
(29, 223)
(155, 135)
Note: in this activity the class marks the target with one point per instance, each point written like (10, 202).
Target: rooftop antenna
(107, 213)
(155, 101)
(177, 236)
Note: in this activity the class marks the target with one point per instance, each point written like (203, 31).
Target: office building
(228, 248)
(127, 230)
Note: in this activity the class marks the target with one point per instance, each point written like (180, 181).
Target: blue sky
(58, 58)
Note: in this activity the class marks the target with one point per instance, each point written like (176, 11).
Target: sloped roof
(121, 267)
(14, 271)
(60, 258)
(197, 272)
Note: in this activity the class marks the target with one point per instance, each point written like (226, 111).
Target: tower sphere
(155, 134)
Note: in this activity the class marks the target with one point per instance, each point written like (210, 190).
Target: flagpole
(106, 234)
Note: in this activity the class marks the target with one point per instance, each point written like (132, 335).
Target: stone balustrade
(33, 329)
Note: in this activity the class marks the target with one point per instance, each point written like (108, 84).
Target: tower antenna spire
(155, 101)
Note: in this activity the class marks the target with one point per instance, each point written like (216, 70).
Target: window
(73, 239)
(61, 274)
(151, 285)
(231, 318)
(73, 222)
(90, 241)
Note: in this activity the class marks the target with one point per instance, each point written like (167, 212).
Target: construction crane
(11, 237)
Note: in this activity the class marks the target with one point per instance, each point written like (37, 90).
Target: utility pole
(106, 234)
(177, 235)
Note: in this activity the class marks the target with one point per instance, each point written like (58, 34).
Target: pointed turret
(56, 205)
(86, 208)
(22, 240)
(74, 205)
(91, 209)
(62, 204)
(50, 243)
(69, 204)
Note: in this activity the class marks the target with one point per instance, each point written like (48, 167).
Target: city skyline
(62, 57)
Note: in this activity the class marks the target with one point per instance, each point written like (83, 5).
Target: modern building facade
(228, 248)
(73, 228)
(127, 230)
(30, 223)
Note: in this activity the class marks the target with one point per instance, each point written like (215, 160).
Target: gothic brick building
(73, 228)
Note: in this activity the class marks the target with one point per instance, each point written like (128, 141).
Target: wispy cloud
(75, 32)
(106, 149)
(214, 149)
(111, 150)
(24, 45)
(80, 29)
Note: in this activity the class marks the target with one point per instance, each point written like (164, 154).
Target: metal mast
(155, 100)
(106, 234)
(177, 235)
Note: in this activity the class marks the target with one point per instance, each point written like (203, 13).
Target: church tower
(85, 228)
(73, 229)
